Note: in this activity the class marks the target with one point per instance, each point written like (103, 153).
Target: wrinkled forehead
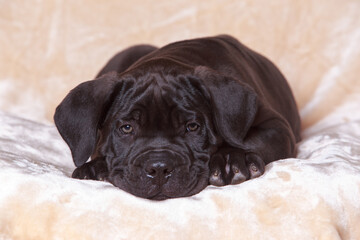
(165, 96)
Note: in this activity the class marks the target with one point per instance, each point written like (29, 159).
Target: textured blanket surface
(315, 196)
(47, 47)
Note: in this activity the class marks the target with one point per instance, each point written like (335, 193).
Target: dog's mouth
(182, 181)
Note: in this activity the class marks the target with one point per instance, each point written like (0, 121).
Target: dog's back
(227, 56)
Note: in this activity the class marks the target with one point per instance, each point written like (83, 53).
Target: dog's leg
(265, 143)
(96, 169)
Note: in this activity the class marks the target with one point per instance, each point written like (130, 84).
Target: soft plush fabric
(49, 46)
(315, 196)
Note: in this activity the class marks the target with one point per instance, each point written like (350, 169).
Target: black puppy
(167, 122)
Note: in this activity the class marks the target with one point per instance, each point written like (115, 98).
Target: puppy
(165, 122)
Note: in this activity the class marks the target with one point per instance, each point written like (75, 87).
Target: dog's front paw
(234, 166)
(95, 170)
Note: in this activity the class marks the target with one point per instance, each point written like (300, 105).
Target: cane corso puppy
(166, 122)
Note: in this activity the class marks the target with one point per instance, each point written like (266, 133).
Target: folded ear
(233, 102)
(78, 115)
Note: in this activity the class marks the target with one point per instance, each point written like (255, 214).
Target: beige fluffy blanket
(48, 47)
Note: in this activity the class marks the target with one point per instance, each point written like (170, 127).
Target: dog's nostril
(167, 172)
(158, 169)
(151, 172)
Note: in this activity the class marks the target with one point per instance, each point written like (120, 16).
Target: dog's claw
(216, 178)
(255, 165)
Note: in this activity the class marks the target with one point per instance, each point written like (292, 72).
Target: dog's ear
(78, 115)
(234, 104)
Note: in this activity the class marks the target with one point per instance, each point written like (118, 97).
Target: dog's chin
(155, 192)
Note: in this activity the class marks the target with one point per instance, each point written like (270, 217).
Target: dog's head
(158, 130)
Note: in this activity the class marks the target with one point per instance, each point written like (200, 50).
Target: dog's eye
(127, 129)
(191, 127)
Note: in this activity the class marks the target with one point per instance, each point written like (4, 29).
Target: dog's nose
(159, 170)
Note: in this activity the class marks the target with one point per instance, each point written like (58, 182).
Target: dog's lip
(159, 196)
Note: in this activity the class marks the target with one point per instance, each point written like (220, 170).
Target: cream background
(49, 46)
